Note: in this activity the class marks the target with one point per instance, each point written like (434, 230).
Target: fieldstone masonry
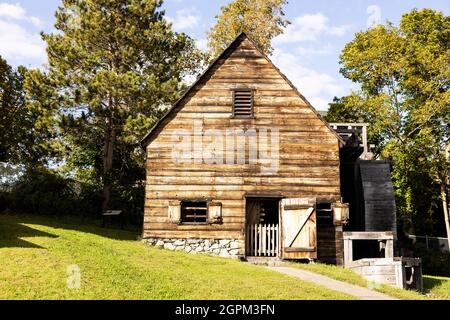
(220, 247)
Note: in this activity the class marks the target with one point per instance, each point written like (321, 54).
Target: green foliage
(348, 109)
(11, 103)
(114, 66)
(25, 129)
(433, 262)
(439, 287)
(262, 20)
(41, 191)
(404, 79)
(5, 200)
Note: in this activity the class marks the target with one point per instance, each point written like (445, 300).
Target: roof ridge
(240, 37)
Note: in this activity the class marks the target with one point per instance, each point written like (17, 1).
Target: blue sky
(308, 52)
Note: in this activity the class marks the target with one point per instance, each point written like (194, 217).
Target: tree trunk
(445, 207)
(110, 137)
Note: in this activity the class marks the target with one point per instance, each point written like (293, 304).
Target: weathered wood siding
(308, 154)
(379, 199)
(330, 246)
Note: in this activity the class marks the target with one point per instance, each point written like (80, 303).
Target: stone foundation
(220, 247)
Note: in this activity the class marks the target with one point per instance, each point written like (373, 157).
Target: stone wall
(220, 247)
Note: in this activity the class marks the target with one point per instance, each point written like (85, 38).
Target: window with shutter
(194, 212)
(215, 212)
(174, 211)
(243, 103)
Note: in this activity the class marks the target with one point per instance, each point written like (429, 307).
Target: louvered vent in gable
(243, 103)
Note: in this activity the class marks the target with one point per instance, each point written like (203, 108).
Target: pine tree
(114, 65)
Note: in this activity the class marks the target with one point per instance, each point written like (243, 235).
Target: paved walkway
(356, 291)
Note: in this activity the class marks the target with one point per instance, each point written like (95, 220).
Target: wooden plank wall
(309, 152)
(379, 198)
(330, 246)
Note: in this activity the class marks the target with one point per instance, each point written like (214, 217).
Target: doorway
(262, 226)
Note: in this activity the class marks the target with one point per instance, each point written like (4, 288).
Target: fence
(431, 243)
(262, 240)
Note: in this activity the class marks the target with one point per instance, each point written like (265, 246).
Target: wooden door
(298, 228)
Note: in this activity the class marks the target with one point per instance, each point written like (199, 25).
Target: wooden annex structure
(242, 165)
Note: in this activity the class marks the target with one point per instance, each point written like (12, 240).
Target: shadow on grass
(12, 232)
(12, 227)
(430, 283)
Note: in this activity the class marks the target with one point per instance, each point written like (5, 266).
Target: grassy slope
(36, 251)
(437, 287)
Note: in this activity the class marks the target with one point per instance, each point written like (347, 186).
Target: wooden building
(242, 165)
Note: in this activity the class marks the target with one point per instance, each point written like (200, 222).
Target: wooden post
(247, 238)
(255, 240)
(264, 241)
(273, 240)
(400, 276)
(277, 240)
(348, 252)
(364, 136)
(418, 277)
(252, 239)
(259, 239)
(389, 249)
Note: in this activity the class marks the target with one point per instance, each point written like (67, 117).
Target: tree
(428, 83)
(11, 104)
(262, 20)
(113, 66)
(404, 77)
(26, 129)
(345, 109)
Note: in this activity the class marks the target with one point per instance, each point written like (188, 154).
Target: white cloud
(319, 88)
(16, 43)
(202, 44)
(184, 19)
(310, 27)
(20, 44)
(12, 11)
(36, 21)
(312, 51)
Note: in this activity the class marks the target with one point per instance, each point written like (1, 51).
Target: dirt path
(353, 290)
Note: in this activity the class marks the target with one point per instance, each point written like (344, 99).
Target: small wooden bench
(111, 214)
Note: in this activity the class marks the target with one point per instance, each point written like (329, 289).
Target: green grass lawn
(35, 253)
(436, 287)
(439, 287)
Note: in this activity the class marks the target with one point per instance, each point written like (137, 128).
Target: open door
(298, 228)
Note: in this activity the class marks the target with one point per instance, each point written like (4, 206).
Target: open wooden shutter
(215, 212)
(174, 211)
(298, 228)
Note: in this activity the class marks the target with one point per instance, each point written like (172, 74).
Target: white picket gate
(262, 240)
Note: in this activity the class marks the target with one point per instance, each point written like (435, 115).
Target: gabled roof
(241, 37)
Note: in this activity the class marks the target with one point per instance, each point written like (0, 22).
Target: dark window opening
(262, 211)
(324, 213)
(243, 103)
(193, 212)
(367, 249)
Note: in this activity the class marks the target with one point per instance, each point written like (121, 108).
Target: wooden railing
(262, 240)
